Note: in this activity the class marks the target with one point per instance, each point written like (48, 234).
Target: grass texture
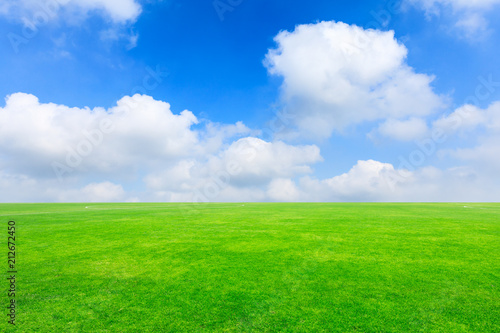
(255, 267)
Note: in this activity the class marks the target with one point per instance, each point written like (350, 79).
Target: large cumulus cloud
(336, 75)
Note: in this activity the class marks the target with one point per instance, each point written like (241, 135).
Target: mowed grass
(255, 267)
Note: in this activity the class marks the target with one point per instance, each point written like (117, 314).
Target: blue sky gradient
(213, 64)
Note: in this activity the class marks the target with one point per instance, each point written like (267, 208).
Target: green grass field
(254, 267)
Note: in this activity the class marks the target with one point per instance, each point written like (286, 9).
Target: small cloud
(473, 26)
(283, 190)
(132, 41)
(116, 33)
(402, 130)
(103, 192)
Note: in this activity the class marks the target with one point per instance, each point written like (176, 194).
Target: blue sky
(365, 87)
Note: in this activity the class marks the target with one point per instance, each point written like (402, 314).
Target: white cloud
(74, 140)
(472, 25)
(465, 118)
(367, 179)
(132, 41)
(479, 127)
(119, 11)
(468, 15)
(20, 188)
(216, 134)
(486, 155)
(34, 15)
(434, 6)
(117, 33)
(146, 152)
(402, 130)
(69, 154)
(23, 188)
(376, 181)
(471, 122)
(248, 166)
(96, 192)
(177, 178)
(336, 75)
(258, 161)
(239, 194)
(283, 190)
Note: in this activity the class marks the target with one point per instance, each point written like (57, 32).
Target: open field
(255, 267)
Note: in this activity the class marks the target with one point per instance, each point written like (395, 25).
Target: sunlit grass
(256, 267)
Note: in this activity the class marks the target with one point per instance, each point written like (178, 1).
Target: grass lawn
(254, 267)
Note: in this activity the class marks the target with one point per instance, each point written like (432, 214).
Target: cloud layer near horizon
(139, 150)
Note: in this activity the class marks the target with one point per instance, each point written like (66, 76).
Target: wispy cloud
(117, 11)
(468, 17)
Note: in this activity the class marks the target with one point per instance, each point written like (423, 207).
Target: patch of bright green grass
(255, 267)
